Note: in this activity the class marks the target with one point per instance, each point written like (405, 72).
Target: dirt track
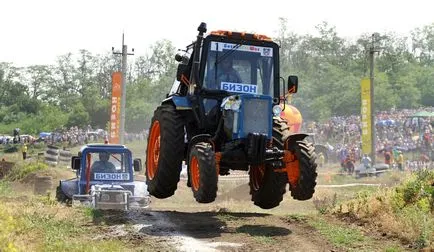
(216, 231)
(181, 224)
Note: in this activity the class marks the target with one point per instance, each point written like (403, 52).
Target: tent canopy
(44, 134)
(423, 114)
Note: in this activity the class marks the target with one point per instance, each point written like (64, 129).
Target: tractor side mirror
(182, 66)
(182, 69)
(75, 163)
(137, 164)
(292, 84)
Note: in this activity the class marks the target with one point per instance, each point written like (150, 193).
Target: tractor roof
(104, 146)
(241, 35)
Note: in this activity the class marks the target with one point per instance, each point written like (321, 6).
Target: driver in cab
(224, 73)
(103, 165)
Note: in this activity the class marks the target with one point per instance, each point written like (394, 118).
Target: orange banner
(115, 108)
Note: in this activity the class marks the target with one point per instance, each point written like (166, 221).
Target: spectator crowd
(69, 137)
(398, 132)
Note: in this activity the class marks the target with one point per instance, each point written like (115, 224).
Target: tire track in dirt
(160, 224)
(216, 231)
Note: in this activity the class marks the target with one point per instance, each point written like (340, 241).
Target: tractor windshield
(108, 166)
(239, 68)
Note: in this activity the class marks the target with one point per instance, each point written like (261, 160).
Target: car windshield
(239, 68)
(104, 164)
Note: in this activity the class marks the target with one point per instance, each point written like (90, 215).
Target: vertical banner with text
(366, 116)
(115, 108)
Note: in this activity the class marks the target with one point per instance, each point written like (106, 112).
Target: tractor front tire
(164, 151)
(305, 187)
(266, 186)
(203, 172)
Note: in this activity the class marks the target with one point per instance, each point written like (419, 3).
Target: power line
(372, 51)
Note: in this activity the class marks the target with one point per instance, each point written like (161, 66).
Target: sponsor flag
(366, 116)
(115, 108)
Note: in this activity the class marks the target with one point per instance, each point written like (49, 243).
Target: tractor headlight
(236, 105)
(105, 197)
(231, 103)
(120, 197)
(277, 110)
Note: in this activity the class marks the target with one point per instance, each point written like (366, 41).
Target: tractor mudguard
(292, 138)
(199, 138)
(69, 187)
(181, 102)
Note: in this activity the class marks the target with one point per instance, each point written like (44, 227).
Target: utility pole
(124, 54)
(372, 51)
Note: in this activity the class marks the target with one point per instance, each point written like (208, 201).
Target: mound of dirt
(5, 168)
(55, 173)
(240, 193)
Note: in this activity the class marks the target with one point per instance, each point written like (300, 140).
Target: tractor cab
(239, 63)
(99, 164)
(233, 63)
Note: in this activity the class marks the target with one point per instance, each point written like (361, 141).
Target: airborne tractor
(217, 123)
(104, 179)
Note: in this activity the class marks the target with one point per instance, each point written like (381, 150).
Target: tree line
(76, 89)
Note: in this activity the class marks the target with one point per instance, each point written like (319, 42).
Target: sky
(37, 31)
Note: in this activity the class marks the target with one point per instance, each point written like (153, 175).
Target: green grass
(21, 170)
(92, 213)
(40, 226)
(54, 230)
(5, 188)
(94, 246)
(138, 148)
(392, 249)
(264, 239)
(297, 217)
(339, 236)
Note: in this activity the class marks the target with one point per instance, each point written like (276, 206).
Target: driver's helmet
(104, 156)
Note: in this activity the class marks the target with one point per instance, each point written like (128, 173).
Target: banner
(115, 108)
(366, 116)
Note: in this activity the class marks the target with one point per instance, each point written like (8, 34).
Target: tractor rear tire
(305, 187)
(266, 186)
(165, 151)
(203, 172)
(305, 153)
(280, 132)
